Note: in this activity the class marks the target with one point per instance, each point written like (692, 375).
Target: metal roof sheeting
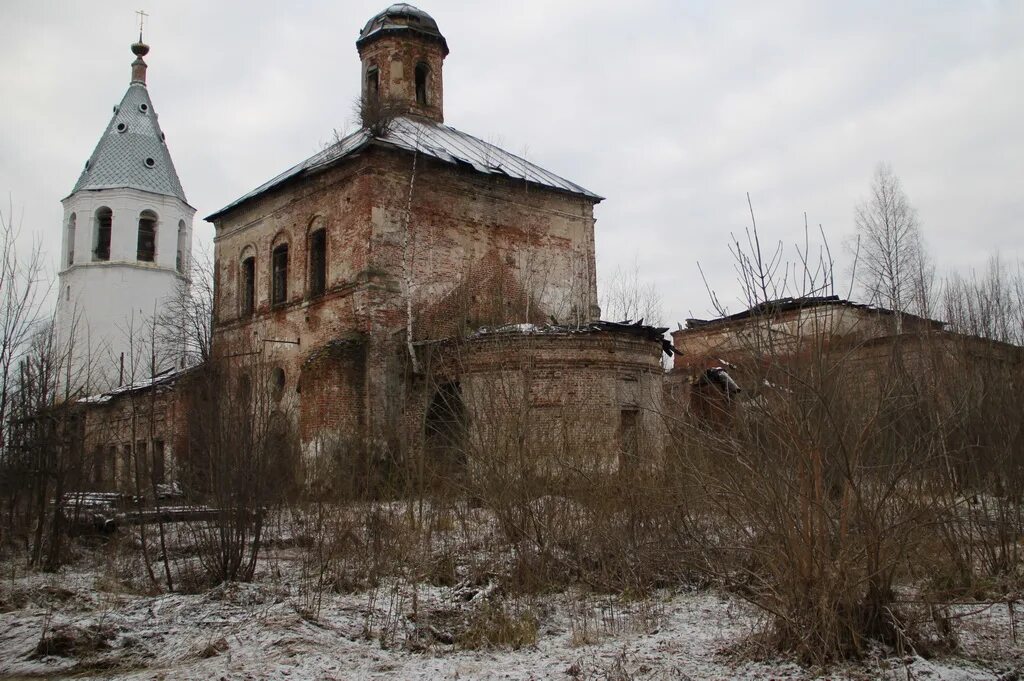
(431, 139)
(120, 157)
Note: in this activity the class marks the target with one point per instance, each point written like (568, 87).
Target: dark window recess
(279, 278)
(277, 382)
(98, 465)
(445, 432)
(422, 73)
(317, 262)
(71, 239)
(127, 467)
(158, 462)
(248, 285)
(146, 250)
(104, 220)
(141, 453)
(372, 82)
(629, 438)
(179, 262)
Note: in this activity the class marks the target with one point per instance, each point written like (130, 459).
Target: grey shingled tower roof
(132, 152)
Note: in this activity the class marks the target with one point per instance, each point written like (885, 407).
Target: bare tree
(893, 266)
(628, 297)
(22, 293)
(185, 323)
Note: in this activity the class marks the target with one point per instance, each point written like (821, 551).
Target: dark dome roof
(401, 17)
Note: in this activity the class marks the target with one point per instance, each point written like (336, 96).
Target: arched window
(71, 239)
(247, 286)
(317, 262)
(277, 382)
(372, 82)
(101, 236)
(146, 250)
(279, 275)
(180, 262)
(422, 76)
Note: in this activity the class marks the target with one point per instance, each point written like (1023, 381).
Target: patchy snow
(259, 631)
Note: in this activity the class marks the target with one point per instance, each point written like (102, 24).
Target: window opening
(248, 285)
(317, 262)
(146, 249)
(98, 465)
(104, 222)
(71, 238)
(445, 431)
(179, 262)
(140, 461)
(277, 383)
(372, 81)
(629, 439)
(158, 462)
(279, 267)
(422, 71)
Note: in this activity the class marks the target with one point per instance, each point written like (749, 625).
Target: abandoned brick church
(410, 284)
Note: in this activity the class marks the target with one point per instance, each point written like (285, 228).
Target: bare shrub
(500, 625)
(376, 113)
(814, 501)
(242, 461)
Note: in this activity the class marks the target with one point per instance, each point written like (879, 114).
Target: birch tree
(893, 268)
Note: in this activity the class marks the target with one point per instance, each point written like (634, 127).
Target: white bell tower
(126, 244)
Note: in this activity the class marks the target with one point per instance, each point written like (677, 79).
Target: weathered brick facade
(134, 436)
(405, 232)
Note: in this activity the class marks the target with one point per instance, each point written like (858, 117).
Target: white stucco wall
(104, 307)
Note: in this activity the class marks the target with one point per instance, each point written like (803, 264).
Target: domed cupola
(402, 52)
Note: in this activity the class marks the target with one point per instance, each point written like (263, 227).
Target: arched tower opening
(181, 260)
(145, 250)
(71, 239)
(103, 224)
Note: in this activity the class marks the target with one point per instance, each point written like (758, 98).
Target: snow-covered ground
(97, 629)
(100, 617)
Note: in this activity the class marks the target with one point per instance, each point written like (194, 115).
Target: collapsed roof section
(627, 327)
(781, 305)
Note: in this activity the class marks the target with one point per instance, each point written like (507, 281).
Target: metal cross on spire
(142, 19)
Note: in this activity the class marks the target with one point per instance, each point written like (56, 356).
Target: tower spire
(140, 50)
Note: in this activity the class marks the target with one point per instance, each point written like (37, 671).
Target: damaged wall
(574, 400)
(483, 249)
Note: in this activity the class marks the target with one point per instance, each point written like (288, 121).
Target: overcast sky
(671, 110)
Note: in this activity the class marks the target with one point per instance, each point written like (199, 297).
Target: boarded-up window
(248, 286)
(146, 249)
(317, 262)
(279, 278)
